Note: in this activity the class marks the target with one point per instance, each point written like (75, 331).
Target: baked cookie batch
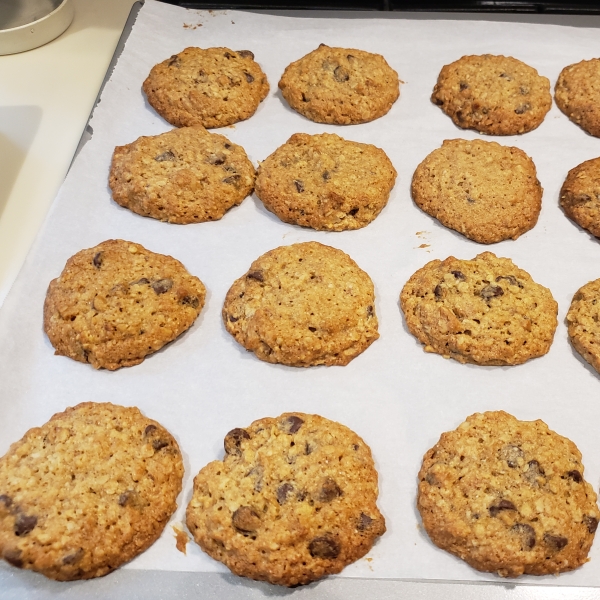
(295, 497)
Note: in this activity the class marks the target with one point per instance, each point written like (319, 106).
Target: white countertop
(45, 100)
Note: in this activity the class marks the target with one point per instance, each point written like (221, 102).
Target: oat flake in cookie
(303, 305)
(508, 497)
(293, 500)
(213, 87)
(342, 86)
(88, 491)
(576, 93)
(583, 320)
(186, 175)
(117, 302)
(580, 195)
(484, 311)
(498, 95)
(483, 190)
(326, 182)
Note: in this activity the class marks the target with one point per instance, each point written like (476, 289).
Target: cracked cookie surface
(186, 175)
(88, 491)
(325, 182)
(341, 86)
(484, 311)
(293, 500)
(213, 87)
(483, 190)
(580, 195)
(508, 496)
(583, 320)
(497, 95)
(576, 94)
(303, 305)
(117, 302)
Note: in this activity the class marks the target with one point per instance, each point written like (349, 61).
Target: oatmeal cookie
(583, 320)
(580, 195)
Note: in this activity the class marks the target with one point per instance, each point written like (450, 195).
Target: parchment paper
(398, 398)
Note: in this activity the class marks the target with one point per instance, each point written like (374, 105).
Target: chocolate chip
(245, 54)
(313, 329)
(523, 108)
(326, 176)
(304, 98)
(353, 211)
(165, 156)
(228, 55)
(13, 556)
(502, 505)
(364, 522)
(370, 311)
(6, 500)
(299, 185)
(308, 449)
(162, 286)
(124, 497)
(556, 542)
(97, 260)
(174, 61)
(227, 146)
(74, 557)
(534, 470)
(438, 101)
(324, 547)
(575, 476)
(458, 275)
(215, 159)
(511, 279)
(245, 519)
(323, 46)
(511, 455)
(340, 74)
(491, 291)
(150, 429)
(292, 424)
(505, 76)
(431, 479)
(283, 491)
(142, 281)
(233, 319)
(524, 90)
(329, 491)
(24, 524)
(159, 444)
(256, 473)
(350, 57)
(591, 523)
(249, 77)
(470, 200)
(258, 275)
(190, 301)
(463, 86)
(232, 179)
(438, 292)
(234, 439)
(527, 534)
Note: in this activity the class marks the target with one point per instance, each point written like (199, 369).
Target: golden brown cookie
(498, 95)
(186, 175)
(293, 500)
(576, 94)
(342, 86)
(580, 195)
(325, 182)
(508, 497)
(484, 311)
(88, 491)
(117, 302)
(213, 87)
(483, 190)
(583, 320)
(303, 305)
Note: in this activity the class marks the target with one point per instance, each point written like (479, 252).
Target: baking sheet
(398, 398)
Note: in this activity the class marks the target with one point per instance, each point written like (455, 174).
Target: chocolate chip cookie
(342, 86)
(213, 87)
(325, 182)
(303, 305)
(580, 195)
(484, 311)
(186, 175)
(88, 491)
(498, 95)
(508, 497)
(483, 190)
(293, 500)
(583, 320)
(576, 94)
(117, 302)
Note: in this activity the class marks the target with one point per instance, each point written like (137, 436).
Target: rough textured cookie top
(483, 190)
(213, 87)
(87, 491)
(508, 496)
(293, 500)
(485, 311)
(117, 302)
(342, 86)
(580, 195)
(303, 305)
(498, 95)
(576, 93)
(186, 175)
(583, 319)
(326, 182)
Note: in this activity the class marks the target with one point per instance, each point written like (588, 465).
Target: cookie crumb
(182, 538)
